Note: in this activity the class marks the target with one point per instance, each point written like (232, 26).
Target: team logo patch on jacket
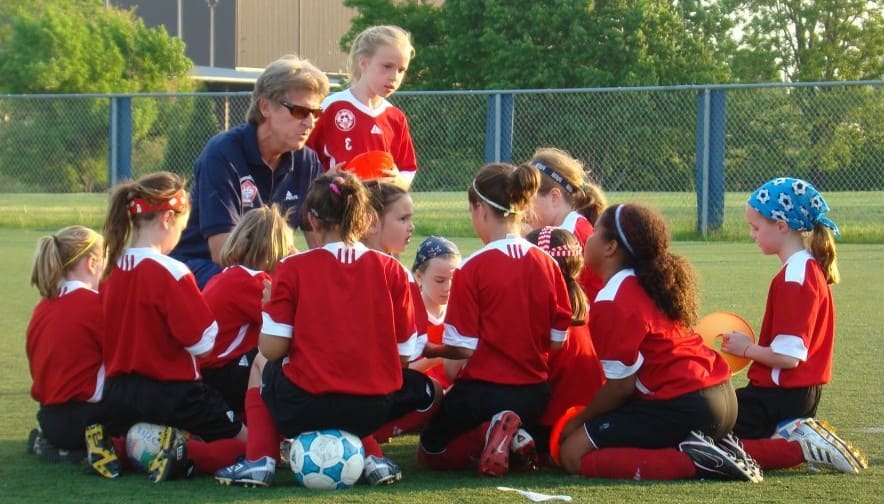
(249, 191)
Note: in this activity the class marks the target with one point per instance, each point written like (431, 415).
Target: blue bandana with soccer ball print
(433, 246)
(793, 201)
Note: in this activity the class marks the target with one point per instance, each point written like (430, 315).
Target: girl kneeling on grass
(508, 307)
(64, 342)
(337, 331)
(390, 232)
(793, 358)
(259, 241)
(156, 325)
(664, 388)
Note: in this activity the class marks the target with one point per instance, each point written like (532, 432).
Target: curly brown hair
(669, 279)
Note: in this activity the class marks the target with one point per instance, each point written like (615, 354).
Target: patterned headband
(565, 250)
(433, 246)
(140, 206)
(554, 175)
(793, 201)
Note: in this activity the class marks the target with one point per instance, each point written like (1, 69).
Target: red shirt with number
(349, 127)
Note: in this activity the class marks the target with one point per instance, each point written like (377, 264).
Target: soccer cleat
(33, 438)
(381, 471)
(171, 462)
(731, 444)
(822, 448)
(100, 452)
(248, 473)
(523, 451)
(715, 462)
(494, 460)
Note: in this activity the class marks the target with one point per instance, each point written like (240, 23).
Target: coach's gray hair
(288, 73)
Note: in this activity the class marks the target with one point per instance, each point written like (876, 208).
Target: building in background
(230, 41)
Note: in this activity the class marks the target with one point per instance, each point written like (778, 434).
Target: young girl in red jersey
(257, 243)
(567, 199)
(793, 358)
(663, 387)
(323, 371)
(360, 119)
(64, 342)
(433, 268)
(390, 232)
(575, 373)
(508, 307)
(156, 326)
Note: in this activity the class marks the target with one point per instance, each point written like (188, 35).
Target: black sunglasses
(299, 112)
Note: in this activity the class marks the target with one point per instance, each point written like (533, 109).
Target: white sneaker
(822, 448)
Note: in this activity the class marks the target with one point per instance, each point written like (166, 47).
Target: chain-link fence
(633, 139)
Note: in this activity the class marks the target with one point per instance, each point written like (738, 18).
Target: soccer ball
(329, 459)
(143, 443)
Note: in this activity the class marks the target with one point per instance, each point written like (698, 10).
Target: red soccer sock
(209, 457)
(371, 446)
(461, 451)
(263, 439)
(120, 449)
(637, 464)
(774, 453)
(410, 422)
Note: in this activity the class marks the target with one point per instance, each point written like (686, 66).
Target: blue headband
(793, 201)
(433, 246)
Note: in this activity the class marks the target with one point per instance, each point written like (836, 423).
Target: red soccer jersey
(575, 375)
(349, 314)
(64, 346)
(348, 127)
(508, 302)
(234, 296)
(156, 318)
(799, 321)
(632, 336)
(580, 227)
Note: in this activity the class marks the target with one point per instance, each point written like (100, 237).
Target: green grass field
(734, 277)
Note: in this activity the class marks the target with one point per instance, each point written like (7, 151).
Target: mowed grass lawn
(734, 277)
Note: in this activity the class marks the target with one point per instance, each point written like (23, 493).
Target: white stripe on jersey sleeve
(788, 344)
(557, 335)
(617, 370)
(206, 342)
(273, 328)
(453, 338)
(407, 348)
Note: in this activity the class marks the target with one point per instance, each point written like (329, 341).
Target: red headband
(178, 203)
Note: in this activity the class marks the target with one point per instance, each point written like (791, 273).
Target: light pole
(212, 4)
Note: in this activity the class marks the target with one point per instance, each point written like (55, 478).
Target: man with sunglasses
(259, 163)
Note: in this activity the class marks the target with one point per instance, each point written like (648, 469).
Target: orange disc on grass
(371, 165)
(712, 327)
(556, 431)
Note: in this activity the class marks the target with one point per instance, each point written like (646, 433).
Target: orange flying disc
(371, 165)
(713, 326)
(556, 431)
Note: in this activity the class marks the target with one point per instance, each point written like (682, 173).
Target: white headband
(620, 232)
(506, 211)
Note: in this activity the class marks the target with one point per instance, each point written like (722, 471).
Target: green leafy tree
(808, 41)
(75, 46)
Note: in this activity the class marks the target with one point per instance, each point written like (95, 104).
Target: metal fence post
(709, 167)
(120, 152)
(499, 128)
